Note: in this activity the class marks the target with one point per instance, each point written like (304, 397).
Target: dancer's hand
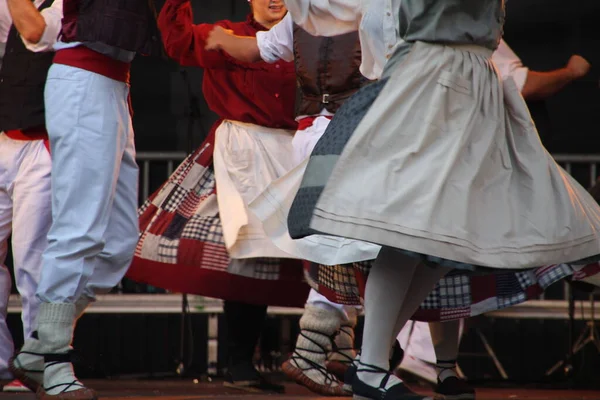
(217, 37)
(578, 66)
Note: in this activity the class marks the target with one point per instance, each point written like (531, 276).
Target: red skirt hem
(220, 284)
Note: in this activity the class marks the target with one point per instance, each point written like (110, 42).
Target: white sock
(30, 357)
(56, 322)
(386, 289)
(317, 327)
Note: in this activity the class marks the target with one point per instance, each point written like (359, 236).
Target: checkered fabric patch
(525, 278)
(507, 301)
(433, 300)
(204, 229)
(548, 275)
(167, 250)
(205, 186)
(267, 268)
(174, 199)
(454, 291)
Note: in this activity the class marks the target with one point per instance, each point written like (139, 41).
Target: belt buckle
(325, 99)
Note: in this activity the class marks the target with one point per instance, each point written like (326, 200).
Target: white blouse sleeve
(53, 18)
(510, 65)
(326, 17)
(278, 42)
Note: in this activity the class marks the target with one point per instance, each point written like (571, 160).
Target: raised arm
(39, 30)
(326, 17)
(275, 44)
(185, 42)
(536, 85)
(242, 48)
(540, 85)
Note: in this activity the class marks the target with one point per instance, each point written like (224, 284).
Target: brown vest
(326, 69)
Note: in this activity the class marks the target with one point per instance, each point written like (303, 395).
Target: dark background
(544, 33)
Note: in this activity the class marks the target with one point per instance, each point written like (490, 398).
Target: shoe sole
(20, 374)
(79, 394)
(298, 376)
(15, 390)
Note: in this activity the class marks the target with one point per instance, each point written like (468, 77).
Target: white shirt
(278, 42)
(378, 26)
(509, 64)
(375, 20)
(53, 17)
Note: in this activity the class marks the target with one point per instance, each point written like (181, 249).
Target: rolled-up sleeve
(278, 42)
(326, 17)
(53, 18)
(510, 65)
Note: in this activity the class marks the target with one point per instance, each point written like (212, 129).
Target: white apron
(247, 158)
(273, 205)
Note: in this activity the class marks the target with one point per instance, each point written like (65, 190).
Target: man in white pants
(94, 227)
(416, 337)
(25, 211)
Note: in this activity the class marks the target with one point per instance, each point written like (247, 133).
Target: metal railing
(568, 161)
(171, 161)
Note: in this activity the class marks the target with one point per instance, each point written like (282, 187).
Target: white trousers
(94, 185)
(25, 214)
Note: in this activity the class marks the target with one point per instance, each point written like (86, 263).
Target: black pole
(193, 114)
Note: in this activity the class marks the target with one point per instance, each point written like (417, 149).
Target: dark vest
(327, 69)
(22, 80)
(126, 24)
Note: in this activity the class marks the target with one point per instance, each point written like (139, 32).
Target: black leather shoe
(362, 391)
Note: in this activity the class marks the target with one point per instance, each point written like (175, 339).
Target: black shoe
(453, 388)
(362, 391)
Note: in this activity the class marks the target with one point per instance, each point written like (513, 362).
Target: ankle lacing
(52, 359)
(20, 366)
(347, 359)
(328, 377)
(374, 369)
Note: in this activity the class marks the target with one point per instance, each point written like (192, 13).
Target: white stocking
(385, 292)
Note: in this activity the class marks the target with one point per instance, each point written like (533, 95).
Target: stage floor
(188, 390)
